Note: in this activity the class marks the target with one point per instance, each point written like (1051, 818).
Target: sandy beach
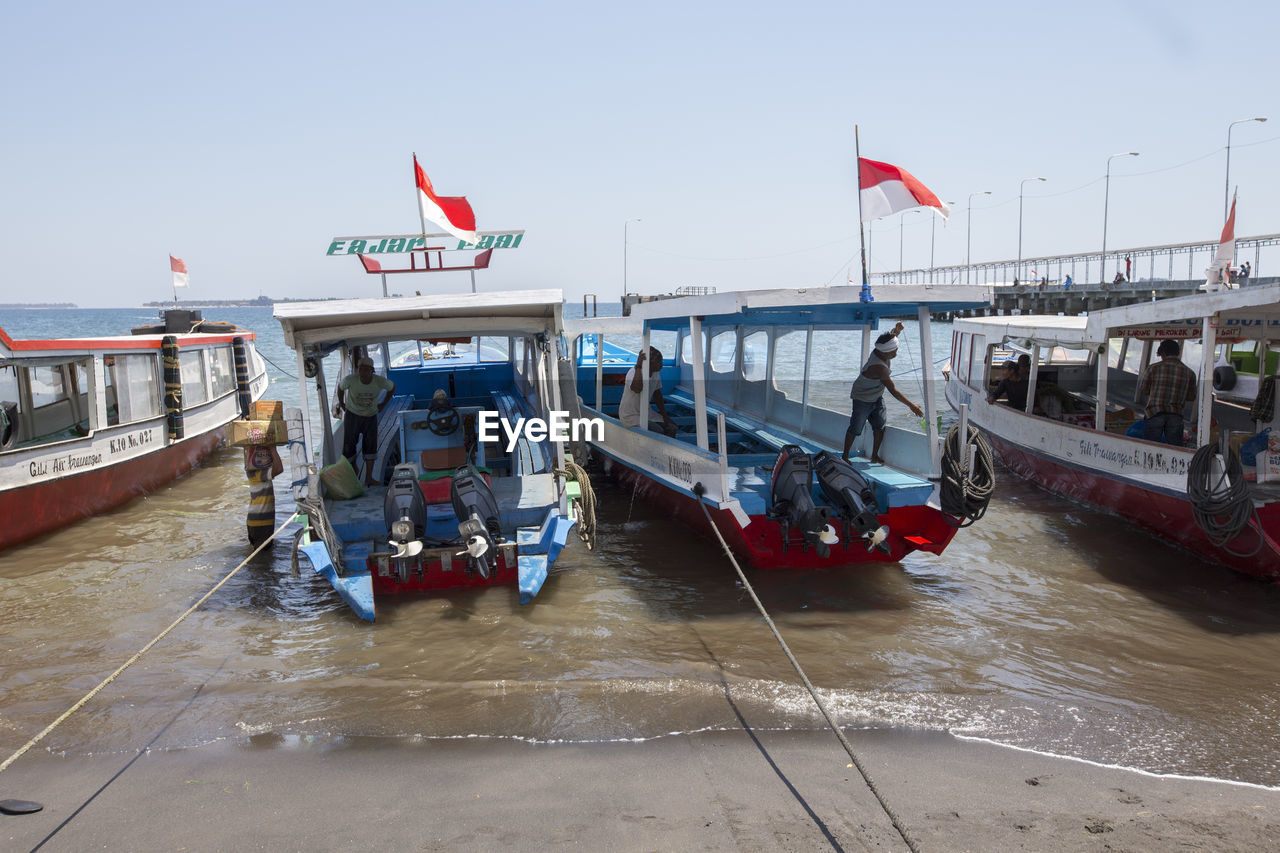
(724, 790)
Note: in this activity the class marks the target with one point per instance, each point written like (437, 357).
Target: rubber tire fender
(1224, 378)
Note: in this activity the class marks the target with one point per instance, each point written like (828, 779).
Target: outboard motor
(791, 498)
(478, 520)
(405, 511)
(851, 496)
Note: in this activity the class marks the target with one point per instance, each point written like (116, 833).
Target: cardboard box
(266, 410)
(444, 457)
(250, 433)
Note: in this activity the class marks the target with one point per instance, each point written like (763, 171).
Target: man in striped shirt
(1168, 386)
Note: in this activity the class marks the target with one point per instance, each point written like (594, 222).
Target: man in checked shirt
(1168, 386)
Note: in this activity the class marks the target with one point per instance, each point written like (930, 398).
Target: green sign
(399, 244)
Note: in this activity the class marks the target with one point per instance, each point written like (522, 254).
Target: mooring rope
(586, 503)
(965, 492)
(1222, 506)
(848, 747)
(95, 691)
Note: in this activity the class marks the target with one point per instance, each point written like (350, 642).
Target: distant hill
(38, 305)
(260, 302)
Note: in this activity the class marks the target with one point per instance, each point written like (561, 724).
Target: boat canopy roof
(824, 306)
(323, 324)
(1249, 313)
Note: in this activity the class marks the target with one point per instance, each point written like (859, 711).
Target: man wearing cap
(868, 394)
(1168, 385)
(358, 395)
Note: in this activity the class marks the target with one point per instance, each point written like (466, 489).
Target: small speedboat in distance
(463, 496)
(86, 424)
(757, 386)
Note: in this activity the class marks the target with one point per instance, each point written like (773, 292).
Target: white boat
(759, 445)
(87, 424)
(1201, 496)
(450, 508)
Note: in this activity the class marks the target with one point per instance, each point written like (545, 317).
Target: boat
(86, 424)
(1204, 495)
(463, 494)
(757, 384)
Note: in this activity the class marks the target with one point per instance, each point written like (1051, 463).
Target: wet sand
(726, 790)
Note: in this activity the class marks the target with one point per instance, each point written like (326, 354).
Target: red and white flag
(886, 189)
(452, 213)
(1218, 274)
(179, 268)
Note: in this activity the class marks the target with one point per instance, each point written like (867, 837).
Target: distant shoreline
(8, 306)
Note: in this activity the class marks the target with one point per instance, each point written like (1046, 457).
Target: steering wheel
(443, 420)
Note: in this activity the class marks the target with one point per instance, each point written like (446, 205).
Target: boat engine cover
(791, 495)
(404, 500)
(847, 491)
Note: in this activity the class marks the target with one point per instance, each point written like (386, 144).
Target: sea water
(1047, 625)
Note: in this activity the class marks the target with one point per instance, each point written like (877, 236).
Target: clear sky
(241, 137)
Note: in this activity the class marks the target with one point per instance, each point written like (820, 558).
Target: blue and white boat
(757, 383)
(450, 509)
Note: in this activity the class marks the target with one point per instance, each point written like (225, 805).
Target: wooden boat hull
(1168, 515)
(50, 505)
(760, 542)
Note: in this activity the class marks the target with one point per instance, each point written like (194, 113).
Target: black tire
(1224, 378)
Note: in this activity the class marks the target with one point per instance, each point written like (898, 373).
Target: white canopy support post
(866, 347)
(557, 394)
(1100, 405)
(804, 390)
(698, 352)
(722, 446)
(1204, 394)
(769, 392)
(927, 381)
(600, 372)
(1031, 379)
(384, 285)
(306, 404)
(644, 378)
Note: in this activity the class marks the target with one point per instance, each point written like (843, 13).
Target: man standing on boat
(633, 389)
(358, 395)
(868, 394)
(1168, 385)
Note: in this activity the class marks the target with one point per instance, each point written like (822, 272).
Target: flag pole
(862, 239)
(174, 282)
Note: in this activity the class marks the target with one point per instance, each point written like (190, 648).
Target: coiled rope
(966, 493)
(848, 747)
(586, 501)
(110, 678)
(1221, 506)
(313, 507)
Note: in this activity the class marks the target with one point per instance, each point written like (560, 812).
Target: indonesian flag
(886, 189)
(452, 213)
(179, 267)
(1217, 272)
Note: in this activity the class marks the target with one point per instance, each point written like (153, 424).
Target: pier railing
(1174, 263)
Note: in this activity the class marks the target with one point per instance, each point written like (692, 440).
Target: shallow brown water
(1047, 625)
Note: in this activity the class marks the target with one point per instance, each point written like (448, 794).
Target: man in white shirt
(633, 390)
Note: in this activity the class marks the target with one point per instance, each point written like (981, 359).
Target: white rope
(848, 747)
(95, 691)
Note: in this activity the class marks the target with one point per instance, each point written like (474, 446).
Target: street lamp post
(1106, 202)
(933, 232)
(624, 256)
(1020, 186)
(968, 239)
(901, 225)
(1226, 192)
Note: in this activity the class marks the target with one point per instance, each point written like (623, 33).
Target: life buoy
(1224, 378)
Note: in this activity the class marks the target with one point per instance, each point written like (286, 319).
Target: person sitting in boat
(1013, 387)
(867, 395)
(358, 394)
(1168, 385)
(633, 389)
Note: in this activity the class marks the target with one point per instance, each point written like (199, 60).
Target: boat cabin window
(223, 369)
(978, 356)
(686, 347)
(191, 366)
(724, 351)
(132, 388)
(494, 349)
(54, 404)
(962, 358)
(755, 356)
